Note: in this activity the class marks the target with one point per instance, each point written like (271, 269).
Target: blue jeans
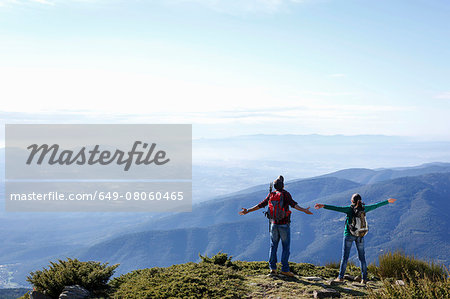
(346, 246)
(277, 232)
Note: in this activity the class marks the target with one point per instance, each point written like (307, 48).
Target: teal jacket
(349, 211)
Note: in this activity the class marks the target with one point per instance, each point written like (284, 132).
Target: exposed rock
(74, 292)
(313, 278)
(326, 293)
(38, 295)
(400, 282)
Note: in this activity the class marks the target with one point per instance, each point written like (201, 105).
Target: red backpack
(277, 208)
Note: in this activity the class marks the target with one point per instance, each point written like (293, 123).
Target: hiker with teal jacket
(355, 229)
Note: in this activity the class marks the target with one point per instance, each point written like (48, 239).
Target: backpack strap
(285, 206)
(350, 218)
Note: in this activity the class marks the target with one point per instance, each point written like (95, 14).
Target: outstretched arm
(306, 211)
(245, 211)
(333, 208)
(369, 208)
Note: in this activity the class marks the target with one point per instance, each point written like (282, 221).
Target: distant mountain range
(136, 240)
(370, 176)
(246, 161)
(417, 223)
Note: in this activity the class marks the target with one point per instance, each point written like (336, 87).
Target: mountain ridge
(25, 253)
(247, 239)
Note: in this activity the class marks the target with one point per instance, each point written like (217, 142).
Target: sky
(230, 67)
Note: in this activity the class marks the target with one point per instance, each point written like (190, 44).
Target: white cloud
(47, 89)
(141, 96)
(244, 6)
(22, 2)
(6, 3)
(329, 93)
(43, 2)
(224, 6)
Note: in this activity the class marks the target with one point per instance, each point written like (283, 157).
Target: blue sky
(230, 67)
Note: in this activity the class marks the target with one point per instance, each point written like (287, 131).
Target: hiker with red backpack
(355, 229)
(280, 218)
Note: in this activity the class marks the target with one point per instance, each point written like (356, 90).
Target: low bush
(398, 265)
(190, 280)
(415, 288)
(332, 265)
(92, 276)
(221, 259)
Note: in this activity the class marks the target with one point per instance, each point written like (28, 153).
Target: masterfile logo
(98, 167)
(93, 156)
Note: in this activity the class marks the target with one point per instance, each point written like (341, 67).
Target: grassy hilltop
(220, 277)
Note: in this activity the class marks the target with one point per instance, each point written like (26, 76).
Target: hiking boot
(338, 279)
(272, 272)
(290, 274)
(363, 281)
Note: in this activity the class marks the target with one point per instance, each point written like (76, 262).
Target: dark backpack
(358, 227)
(277, 208)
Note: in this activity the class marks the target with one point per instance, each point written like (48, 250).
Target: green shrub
(220, 259)
(415, 288)
(92, 276)
(332, 265)
(353, 269)
(398, 265)
(372, 268)
(190, 280)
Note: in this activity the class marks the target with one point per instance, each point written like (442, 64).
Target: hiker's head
(356, 200)
(278, 184)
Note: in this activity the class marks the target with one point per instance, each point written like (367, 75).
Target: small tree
(92, 276)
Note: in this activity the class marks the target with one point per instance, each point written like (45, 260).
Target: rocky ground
(279, 286)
